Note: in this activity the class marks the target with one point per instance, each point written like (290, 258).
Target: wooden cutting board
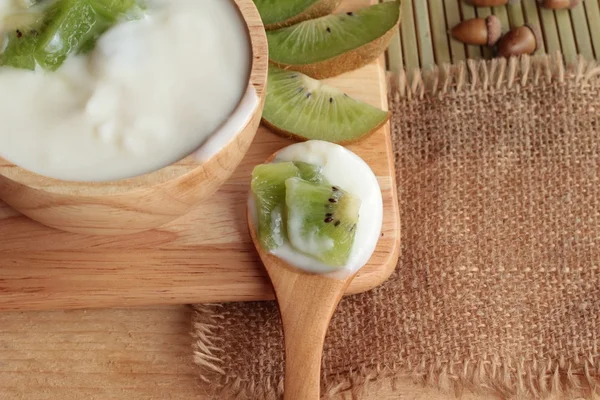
(205, 256)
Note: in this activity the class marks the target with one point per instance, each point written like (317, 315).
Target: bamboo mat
(423, 40)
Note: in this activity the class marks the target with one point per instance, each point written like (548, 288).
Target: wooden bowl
(151, 200)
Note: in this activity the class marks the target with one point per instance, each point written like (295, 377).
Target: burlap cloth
(498, 285)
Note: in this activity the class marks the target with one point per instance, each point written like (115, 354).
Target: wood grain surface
(148, 201)
(205, 256)
(119, 354)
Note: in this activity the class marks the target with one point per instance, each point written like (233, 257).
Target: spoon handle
(306, 304)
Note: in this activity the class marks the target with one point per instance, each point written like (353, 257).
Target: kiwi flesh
(311, 173)
(76, 24)
(277, 14)
(304, 108)
(334, 44)
(321, 220)
(268, 186)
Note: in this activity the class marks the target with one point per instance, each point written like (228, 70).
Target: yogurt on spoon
(346, 170)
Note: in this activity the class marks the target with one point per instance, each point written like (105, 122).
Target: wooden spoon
(306, 304)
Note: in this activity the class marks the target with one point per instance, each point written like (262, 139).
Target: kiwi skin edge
(289, 135)
(319, 9)
(346, 62)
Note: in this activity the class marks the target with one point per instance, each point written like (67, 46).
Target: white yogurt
(345, 169)
(152, 92)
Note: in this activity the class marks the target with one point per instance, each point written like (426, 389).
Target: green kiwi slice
(67, 27)
(331, 45)
(321, 220)
(276, 13)
(304, 108)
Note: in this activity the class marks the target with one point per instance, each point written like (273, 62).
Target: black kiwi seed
(329, 215)
(19, 34)
(334, 189)
(328, 220)
(328, 29)
(308, 95)
(331, 99)
(332, 200)
(337, 223)
(350, 14)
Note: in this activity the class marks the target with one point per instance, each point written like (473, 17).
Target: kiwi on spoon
(277, 14)
(304, 108)
(331, 45)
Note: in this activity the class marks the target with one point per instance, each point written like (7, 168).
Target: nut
(558, 4)
(478, 31)
(522, 40)
(488, 3)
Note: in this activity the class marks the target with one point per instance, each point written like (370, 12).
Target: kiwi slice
(66, 27)
(304, 108)
(321, 220)
(268, 186)
(277, 14)
(331, 45)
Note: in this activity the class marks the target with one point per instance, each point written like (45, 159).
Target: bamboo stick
(409, 36)
(565, 32)
(437, 20)
(424, 33)
(394, 52)
(593, 16)
(550, 30)
(582, 32)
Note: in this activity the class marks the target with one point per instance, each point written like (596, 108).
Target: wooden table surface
(116, 354)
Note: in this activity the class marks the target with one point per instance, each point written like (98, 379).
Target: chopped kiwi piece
(277, 13)
(67, 27)
(76, 24)
(310, 172)
(20, 49)
(304, 108)
(268, 186)
(334, 44)
(321, 220)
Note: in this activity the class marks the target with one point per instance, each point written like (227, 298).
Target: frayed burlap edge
(486, 75)
(506, 379)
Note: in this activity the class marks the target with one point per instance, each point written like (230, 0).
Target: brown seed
(522, 40)
(487, 3)
(478, 31)
(558, 4)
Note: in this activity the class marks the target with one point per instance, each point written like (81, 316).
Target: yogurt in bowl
(135, 132)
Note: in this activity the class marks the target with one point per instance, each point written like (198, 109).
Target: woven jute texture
(498, 284)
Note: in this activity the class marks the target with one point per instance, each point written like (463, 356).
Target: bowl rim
(257, 81)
